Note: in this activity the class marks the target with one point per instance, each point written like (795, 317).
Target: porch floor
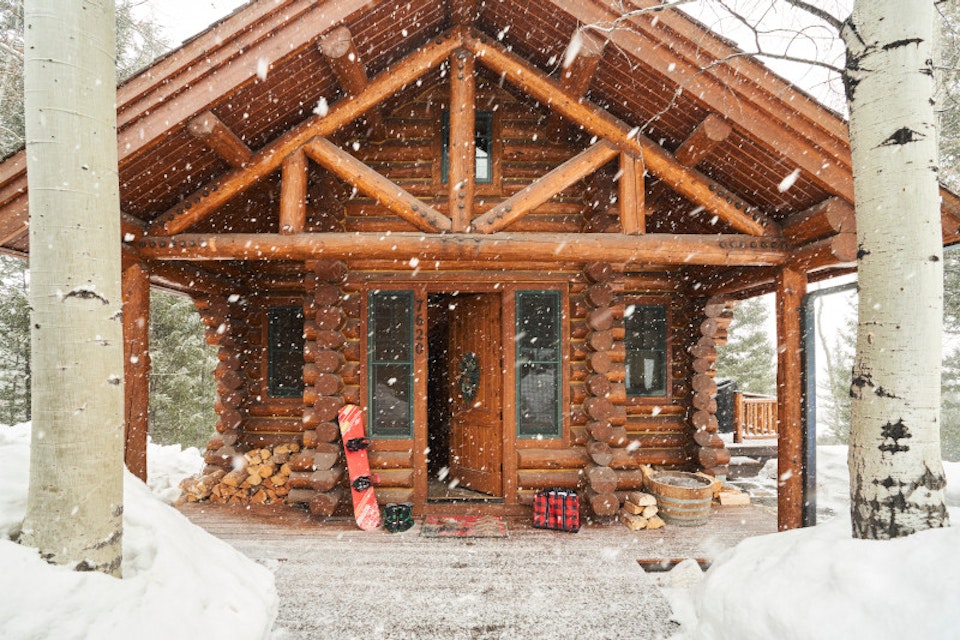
(336, 581)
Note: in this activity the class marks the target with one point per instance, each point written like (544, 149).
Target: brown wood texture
(225, 143)
(632, 191)
(580, 61)
(461, 178)
(293, 193)
(344, 59)
(136, 367)
(791, 287)
(829, 217)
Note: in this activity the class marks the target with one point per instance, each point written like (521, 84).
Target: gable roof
(260, 73)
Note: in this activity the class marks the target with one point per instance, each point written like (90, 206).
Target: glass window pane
(390, 363)
(539, 358)
(285, 352)
(483, 142)
(646, 345)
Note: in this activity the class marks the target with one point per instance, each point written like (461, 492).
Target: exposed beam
(366, 180)
(791, 285)
(135, 289)
(549, 248)
(461, 177)
(831, 216)
(631, 195)
(187, 278)
(552, 183)
(708, 134)
(218, 192)
(580, 61)
(344, 59)
(208, 128)
(684, 180)
(14, 221)
(293, 193)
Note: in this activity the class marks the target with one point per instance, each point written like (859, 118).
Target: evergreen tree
(14, 342)
(748, 356)
(182, 390)
(833, 397)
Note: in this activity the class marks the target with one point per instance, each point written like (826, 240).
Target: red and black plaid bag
(556, 509)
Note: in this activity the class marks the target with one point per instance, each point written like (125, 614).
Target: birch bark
(75, 499)
(896, 475)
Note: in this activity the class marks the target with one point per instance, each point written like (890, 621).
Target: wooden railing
(754, 416)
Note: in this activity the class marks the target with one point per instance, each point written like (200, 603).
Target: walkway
(336, 581)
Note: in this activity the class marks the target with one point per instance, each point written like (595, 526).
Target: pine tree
(834, 402)
(14, 342)
(748, 356)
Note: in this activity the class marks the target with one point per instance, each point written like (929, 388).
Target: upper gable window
(483, 142)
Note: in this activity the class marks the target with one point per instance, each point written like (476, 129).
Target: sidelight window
(539, 361)
(285, 352)
(390, 363)
(646, 346)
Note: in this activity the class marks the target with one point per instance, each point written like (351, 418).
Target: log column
(791, 286)
(224, 321)
(318, 469)
(136, 367)
(711, 452)
(603, 405)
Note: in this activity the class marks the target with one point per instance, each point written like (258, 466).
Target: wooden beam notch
(208, 128)
(344, 58)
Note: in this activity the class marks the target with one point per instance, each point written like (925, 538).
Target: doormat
(464, 527)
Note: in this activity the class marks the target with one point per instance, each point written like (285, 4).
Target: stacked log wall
(709, 450)
(318, 471)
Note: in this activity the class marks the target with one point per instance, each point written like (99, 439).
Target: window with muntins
(483, 142)
(539, 362)
(390, 363)
(646, 346)
(285, 352)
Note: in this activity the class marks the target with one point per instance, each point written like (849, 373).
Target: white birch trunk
(896, 475)
(75, 500)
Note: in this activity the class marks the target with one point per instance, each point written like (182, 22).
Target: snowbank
(178, 582)
(821, 583)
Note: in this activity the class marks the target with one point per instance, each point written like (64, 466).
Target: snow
(820, 583)
(178, 581)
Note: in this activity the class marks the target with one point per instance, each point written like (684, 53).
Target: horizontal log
(544, 479)
(599, 409)
(599, 295)
(600, 340)
(325, 503)
(836, 250)
(395, 478)
(599, 271)
(320, 480)
(600, 319)
(654, 248)
(601, 479)
(712, 457)
(598, 385)
(704, 420)
(827, 218)
(603, 504)
(387, 495)
(575, 458)
(708, 439)
(390, 459)
(630, 479)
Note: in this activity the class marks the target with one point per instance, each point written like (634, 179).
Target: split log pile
(259, 476)
(224, 319)
(605, 391)
(710, 450)
(317, 474)
(640, 511)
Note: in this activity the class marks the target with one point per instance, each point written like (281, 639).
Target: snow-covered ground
(178, 580)
(181, 582)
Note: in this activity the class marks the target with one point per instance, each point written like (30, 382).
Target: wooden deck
(533, 584)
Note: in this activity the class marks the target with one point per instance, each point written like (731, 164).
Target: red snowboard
(365, 508)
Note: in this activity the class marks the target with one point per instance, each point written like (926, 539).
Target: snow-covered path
(337, 582)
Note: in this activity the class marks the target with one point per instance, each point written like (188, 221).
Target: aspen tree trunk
(75, 499)
(896, 475)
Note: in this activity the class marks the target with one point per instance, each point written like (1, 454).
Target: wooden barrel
(684, 498)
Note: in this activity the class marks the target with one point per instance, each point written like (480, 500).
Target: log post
(631, 185)
(461, 178)
(136, 367)
(791, 287)
(293, 193)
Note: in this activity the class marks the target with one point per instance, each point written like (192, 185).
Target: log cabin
(510, 232)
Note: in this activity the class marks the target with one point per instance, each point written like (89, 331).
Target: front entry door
(476, 390)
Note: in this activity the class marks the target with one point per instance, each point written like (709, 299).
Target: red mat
(464, 527)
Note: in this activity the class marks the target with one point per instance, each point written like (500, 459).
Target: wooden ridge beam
(632, 194)
(462, 168)
(344, 59)
(659, 249)
(542, 190)
(217, 136)
(580, 61)
(698, 188)
(293, 193)
(218, 192)
(367, 181)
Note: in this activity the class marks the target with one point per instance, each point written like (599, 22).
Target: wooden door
(476, 389)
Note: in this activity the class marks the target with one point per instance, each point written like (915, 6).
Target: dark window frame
(274, 386)
(482, 119)
(557, 362)
(373, 363)
(642, 304)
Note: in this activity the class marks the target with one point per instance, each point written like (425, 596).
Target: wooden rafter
(545, 188)
(293, 193)
(344, 58)
(463, 12)
(580, 62)
(693, 185)
(549, 248)
(367, 181)
(218, 192)
(217, 136)
(833, 215)
(631, 195)
(711, 131)
(461, 179)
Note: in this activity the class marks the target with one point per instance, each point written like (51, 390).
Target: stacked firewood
(640, 511)
(259, 476)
